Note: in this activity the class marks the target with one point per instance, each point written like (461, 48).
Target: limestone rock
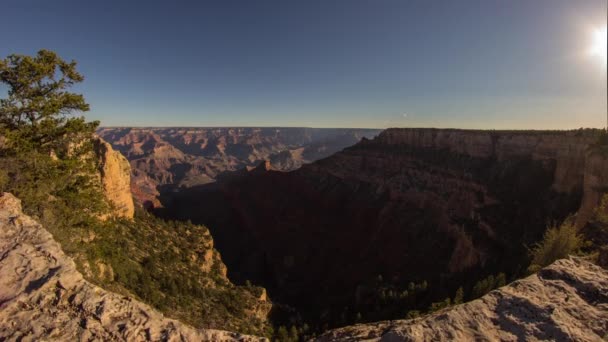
(566, 301)
(44, 297)
(115, 178)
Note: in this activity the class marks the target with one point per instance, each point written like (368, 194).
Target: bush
(488, 284)
(601, 212)
(557, 243)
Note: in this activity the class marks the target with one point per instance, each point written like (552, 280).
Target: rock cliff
(115, 178)
(564, 151)
(566, 301)
(578, 165)
(44, 297)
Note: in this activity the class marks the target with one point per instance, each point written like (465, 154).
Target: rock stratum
(441, 207)
(173, 157)
(44, 297)
(566, 301)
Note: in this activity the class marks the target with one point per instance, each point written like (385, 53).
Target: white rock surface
(566, 301)
(44, 297)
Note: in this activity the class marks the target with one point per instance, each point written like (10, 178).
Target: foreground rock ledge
(44, 297)
(567, 301)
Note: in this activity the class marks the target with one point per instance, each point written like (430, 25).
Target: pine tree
(37, 114)
(459, 297)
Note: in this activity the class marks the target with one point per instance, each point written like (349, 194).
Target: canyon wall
(566, 149)
(579, 165)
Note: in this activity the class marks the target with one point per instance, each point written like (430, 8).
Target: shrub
(601, 212)
(459, 297)
(557, 243)
(488, 284)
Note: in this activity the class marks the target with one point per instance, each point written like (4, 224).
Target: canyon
(381, 231)
(443, 208)
(164, 158)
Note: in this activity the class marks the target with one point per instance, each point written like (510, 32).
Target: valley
(391, 225)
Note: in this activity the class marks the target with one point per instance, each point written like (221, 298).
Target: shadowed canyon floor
(427, 210)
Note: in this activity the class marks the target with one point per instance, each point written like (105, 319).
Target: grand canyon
(446, 208)
(304, 171)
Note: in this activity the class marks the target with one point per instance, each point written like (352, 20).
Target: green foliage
(459, 297)
(412, 314)
(440, 305)
(291, 335)
(488, 284)
(500, 280)
(58, 192)
(34, 116)
(47, 159)
(557, 243)
(601, 212)
(164, 263)
(282, 335)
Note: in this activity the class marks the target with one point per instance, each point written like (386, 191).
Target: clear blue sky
(325, 63)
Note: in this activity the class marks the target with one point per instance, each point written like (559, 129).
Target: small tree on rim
(38, 112)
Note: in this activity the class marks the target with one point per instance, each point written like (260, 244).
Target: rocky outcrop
(115, 179)
(44, 297)
(566, 301)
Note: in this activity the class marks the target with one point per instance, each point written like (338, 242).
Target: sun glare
(598, 48)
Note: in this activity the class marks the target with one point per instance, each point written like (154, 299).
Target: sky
(492, 64)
